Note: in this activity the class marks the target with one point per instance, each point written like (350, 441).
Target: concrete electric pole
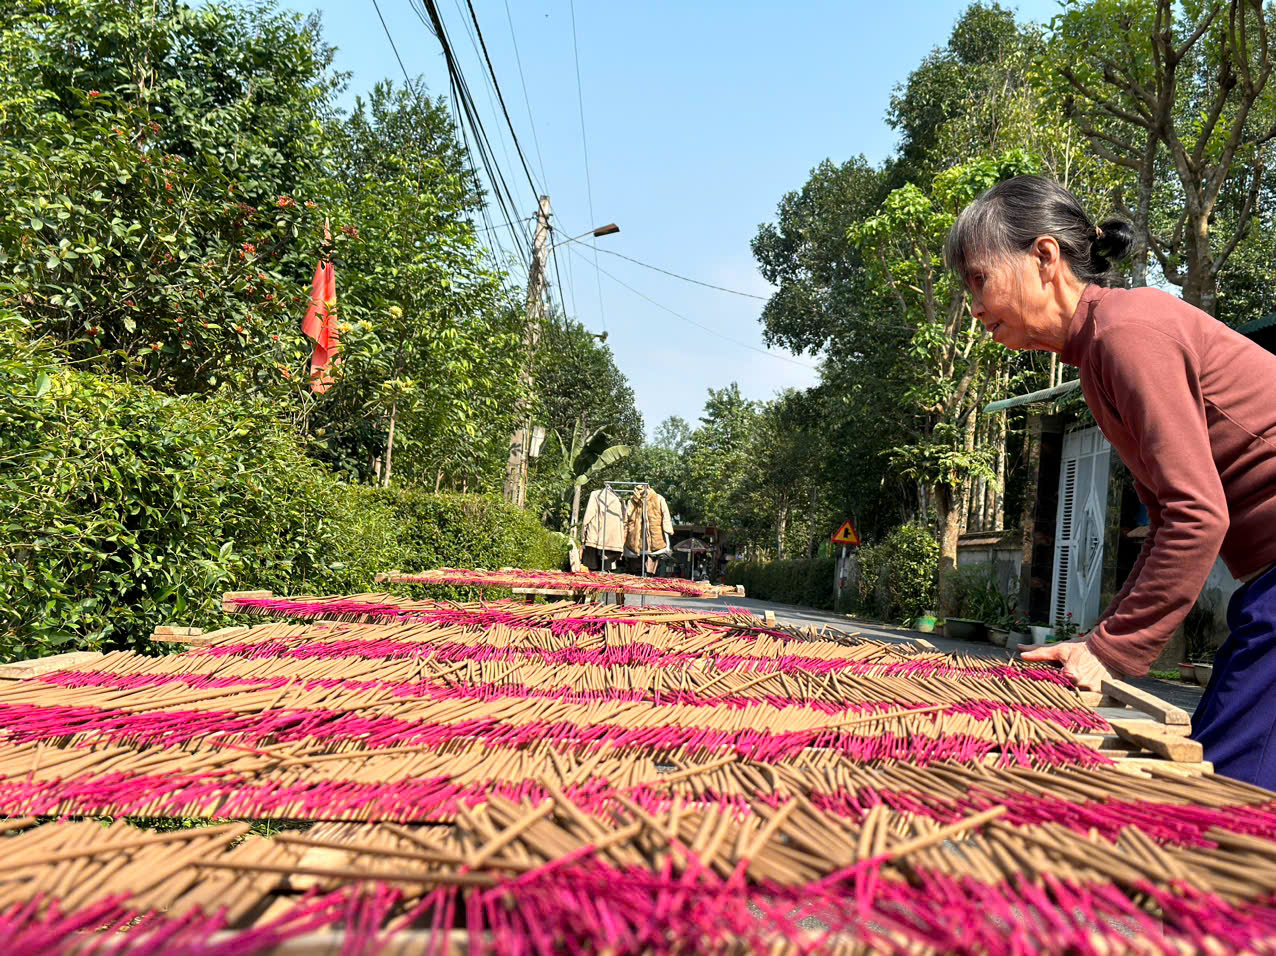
(521, 440)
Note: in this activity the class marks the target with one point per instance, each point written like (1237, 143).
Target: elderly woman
(1189, 405)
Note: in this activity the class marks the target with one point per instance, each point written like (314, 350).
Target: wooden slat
(1159, 767)
(1159, 739)
(1163, 711)
(47, 665)
(167, 633)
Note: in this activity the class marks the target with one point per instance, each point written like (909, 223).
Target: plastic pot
(1041, 633)
(963, 629)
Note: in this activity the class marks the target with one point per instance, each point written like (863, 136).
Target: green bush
(123, 508)
(897, 575)
(468, 531)
(807, 581)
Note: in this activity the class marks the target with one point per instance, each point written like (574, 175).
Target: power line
(501, 99)
(466, 110)
(412, 88)
(559, 276)
(488, 85)
(526, 99)
(377, 7)
(584, 145)
(707, 285)
(502, 225)
(775, 355)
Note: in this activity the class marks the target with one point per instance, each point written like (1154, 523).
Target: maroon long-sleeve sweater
(1190, 406)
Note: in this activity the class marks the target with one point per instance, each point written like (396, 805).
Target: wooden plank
(1159, 740)
(1163, 711)
(174, 631)
(229, 596)
(47, 665)
(1163, 768)
(200, 638)
(1103, 742)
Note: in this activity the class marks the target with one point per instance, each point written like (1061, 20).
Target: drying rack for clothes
(630, 487)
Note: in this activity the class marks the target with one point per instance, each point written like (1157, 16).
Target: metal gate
(1079, 527)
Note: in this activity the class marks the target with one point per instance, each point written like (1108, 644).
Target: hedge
(807, 581)
(467, 531)
(122, 508)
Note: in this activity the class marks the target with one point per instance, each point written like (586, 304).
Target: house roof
(1257, 325)
(1045, 395)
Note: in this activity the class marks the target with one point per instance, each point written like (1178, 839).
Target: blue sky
(698, 117)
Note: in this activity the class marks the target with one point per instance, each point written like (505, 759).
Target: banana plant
(573, 482)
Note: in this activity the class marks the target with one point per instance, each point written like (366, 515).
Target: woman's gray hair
(1007, 219)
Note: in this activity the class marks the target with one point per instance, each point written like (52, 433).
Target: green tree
(155, 167)
(951, 359)
(579, 392)
(431, 341)
(1179, 97)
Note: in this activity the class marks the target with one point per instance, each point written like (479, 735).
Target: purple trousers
(1235, 721)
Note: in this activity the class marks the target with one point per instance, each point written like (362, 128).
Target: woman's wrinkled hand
(1079, 663)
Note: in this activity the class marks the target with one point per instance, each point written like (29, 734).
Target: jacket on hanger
(604, 523)
(659, 523)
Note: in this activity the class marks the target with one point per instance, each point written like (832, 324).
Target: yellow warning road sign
(846, 534)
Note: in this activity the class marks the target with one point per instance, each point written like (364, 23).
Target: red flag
(320, 324)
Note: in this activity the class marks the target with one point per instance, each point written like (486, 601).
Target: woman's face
(1010, 297)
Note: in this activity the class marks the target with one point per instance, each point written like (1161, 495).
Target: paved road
(1179, 694)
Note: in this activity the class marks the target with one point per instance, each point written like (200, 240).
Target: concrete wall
(1002, 550)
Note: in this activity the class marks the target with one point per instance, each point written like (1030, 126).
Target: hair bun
(1114, 239)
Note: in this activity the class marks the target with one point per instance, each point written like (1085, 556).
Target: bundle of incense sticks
(563, 617)
(580, 582)
(548, 876)
(635, 785)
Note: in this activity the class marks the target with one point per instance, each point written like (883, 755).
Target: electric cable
(679, 315)
(501, 99)
(584, 144)
(518, 60)
(707, 285)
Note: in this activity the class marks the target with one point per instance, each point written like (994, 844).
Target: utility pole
(521, 440)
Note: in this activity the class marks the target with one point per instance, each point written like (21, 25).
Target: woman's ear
(1046, 251)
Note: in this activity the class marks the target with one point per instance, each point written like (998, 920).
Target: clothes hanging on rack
(659, 524)
(633, 564)
(604, 524)
(596, 559)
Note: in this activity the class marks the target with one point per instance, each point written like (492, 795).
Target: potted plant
(1065, 631)
(1018, 631)
(1040, 632)
(982, 606)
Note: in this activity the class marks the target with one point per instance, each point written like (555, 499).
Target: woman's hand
(1079, 664)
